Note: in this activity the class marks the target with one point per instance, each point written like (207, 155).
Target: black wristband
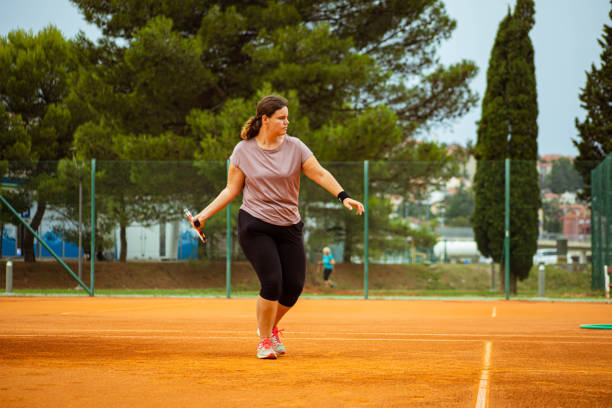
(343, 195)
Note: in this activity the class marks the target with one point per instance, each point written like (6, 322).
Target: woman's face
(278, 122)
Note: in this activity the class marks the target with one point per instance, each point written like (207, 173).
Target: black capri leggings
(277, 255)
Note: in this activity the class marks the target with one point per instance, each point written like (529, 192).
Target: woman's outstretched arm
(317, 173)
(235, 182)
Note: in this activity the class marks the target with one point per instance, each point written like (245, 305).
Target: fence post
(80, 254)
(541, 281)
(366, 171)
(9, 276)
(228, 258)
(606, 194)
(507, 233)
(607, 283)
(92, 248)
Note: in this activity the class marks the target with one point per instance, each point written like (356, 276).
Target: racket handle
(195, 221)
(196, 224)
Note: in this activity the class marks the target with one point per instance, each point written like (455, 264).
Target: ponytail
(267, 106)
(251, 128)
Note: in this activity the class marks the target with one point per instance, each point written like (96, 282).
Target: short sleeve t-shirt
(327, 261)
(272, 179)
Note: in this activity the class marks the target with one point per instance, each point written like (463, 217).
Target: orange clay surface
(173, 352)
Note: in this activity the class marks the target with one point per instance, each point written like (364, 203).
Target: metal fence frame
(601, 225)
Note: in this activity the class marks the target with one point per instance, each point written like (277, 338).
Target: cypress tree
(490, 151)
(522, 101)
(508, 129)
(595, 132)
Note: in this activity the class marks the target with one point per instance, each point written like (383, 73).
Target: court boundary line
(190, 337)
(237, 333)
(483, 387)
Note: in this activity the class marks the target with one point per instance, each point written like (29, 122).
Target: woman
(267, 164)
(328, 266)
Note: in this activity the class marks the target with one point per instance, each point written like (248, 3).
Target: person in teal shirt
(328, 266)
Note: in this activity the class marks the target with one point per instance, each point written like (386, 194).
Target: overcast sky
(564, 38)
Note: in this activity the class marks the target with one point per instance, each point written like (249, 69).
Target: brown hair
(267, 106)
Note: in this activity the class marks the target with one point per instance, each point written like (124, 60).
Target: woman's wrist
(343, 195)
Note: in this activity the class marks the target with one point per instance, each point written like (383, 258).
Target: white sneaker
(265, 349)
(279, 347)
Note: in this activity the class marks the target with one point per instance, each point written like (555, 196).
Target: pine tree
(508, 129)
(36, 124)
(191, 71)
(595, 131)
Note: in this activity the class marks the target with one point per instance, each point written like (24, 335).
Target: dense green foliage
(508, 129)
(187, 63)
(36, 114)
(552, 214)
(594, 141)
(176, 80)
(563, 177)
(192, 72)
(460, 208)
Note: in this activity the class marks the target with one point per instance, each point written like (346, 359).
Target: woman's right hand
(349, 203)
(198, 219)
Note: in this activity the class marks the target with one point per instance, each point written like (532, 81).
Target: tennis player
(266, 165)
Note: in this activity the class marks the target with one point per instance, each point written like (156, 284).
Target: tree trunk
(513, 279)
(28, 238)
(123, 241)
(502, 278)
(1, 236)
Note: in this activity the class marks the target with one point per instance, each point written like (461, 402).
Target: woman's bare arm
(235, 182)
(314, 171)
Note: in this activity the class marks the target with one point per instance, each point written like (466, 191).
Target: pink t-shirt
(272, 179)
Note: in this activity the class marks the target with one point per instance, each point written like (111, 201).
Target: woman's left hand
(350, 203)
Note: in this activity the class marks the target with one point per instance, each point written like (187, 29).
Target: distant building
(544, 164)
(576, 222)
(550, 196)
(568, 198)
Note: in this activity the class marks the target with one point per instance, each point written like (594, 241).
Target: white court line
(483, 388)
(494, 313)
(485, 335)
(124, 309)
(35, 331)
(146, 337)
(180, 337)
(61, 331)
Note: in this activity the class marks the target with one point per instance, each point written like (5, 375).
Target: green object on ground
(596, 326)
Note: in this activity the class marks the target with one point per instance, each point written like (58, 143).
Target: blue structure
(188, 245)
(63, 248)
(9, 244)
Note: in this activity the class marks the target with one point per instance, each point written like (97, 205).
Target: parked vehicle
(545, 256)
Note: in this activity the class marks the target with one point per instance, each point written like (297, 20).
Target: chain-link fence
(420, 233)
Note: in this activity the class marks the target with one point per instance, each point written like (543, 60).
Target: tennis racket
(195, 224)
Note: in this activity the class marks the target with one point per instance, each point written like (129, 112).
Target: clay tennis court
(173, 352)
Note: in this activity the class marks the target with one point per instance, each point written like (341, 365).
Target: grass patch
(211, 292)
(205, 279)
